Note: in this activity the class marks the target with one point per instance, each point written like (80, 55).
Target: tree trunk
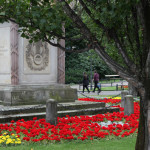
(140, 137)
(148, 113)
(143, 137)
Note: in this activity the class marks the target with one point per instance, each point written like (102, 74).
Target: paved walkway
(76, 86)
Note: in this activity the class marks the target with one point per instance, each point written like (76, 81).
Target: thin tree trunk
(148, 124)
(148, 112)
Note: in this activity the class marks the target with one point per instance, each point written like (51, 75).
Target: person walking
(85, 82)
(96, 80)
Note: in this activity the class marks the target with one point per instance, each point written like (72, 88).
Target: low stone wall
(36, 94)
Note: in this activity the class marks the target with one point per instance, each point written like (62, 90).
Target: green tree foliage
(38, 19)
(118, 31)
(77, 63)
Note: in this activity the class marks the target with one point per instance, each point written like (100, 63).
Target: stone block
(123, 94)
(39, 94)
(128, 105)
(51, 111)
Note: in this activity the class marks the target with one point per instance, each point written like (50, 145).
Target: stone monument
(31, 73)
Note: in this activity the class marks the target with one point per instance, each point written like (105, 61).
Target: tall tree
(112, 28)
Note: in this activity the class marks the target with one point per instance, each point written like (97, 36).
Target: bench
(111, 76)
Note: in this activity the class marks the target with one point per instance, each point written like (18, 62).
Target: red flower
(12, 121)
(34, 118)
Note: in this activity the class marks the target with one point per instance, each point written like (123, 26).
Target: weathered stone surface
(128, 105)
(10, 110)
(21, 109)
(27, 63)
(5, 70)
(123, 94)
(51, 111)
(41, 68)
(27, 112)
(90, 111)
(76, 105)
(39, 94)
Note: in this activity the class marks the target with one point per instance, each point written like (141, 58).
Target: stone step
(16, 117)
(10, 110)
(90, 111)
(79, 105)
(5, 110)
(29, 116)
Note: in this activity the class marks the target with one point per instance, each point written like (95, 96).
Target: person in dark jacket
(96, 80)
(85, 82)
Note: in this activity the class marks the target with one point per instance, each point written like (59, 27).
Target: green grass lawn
(127, 143)
(110, 88)
(110, 81)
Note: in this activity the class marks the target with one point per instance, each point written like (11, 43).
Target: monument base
(36, 94)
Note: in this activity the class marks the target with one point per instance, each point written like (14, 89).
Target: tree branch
(7, 18)
(86, 32)
(90, 14)
(113, 36)
(75, 18)
(68, 50)
(143, 13)
(127, 61)
(136, 28)
(118, 69)
(127, 32)
(138, 52)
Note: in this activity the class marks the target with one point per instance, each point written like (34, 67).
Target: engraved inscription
(37, 56)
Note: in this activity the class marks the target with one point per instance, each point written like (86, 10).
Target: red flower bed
(105, 100)
(77, 127)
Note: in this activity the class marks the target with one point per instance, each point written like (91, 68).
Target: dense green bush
(74, 76)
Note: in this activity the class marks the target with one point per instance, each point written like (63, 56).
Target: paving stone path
(80, 94)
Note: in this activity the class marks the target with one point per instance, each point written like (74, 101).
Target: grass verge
(126, 143)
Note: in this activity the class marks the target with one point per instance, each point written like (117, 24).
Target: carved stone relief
(61, 63)
(14, 53)
(37, 56)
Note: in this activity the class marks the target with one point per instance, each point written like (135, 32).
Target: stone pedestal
(39, 94)
(30, 73)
